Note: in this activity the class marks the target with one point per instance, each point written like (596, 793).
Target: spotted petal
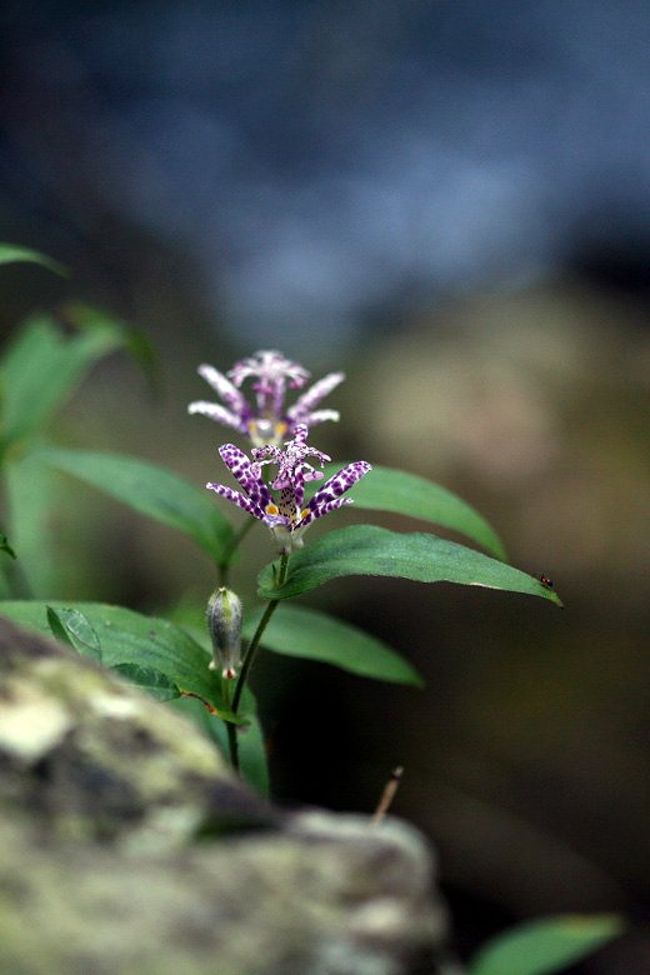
(218, 413)
(324, 508)
(302, 409)
(269, 367)
(248, 475)
(321, 416)
(237, 498)
(328, 497)
(226, 390)
(298, 485)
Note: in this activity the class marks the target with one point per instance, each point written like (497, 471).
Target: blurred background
(450, 201)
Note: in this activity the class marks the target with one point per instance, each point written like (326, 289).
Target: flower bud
(223, 618)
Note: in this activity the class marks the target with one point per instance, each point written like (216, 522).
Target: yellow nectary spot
(281, 429)
(272, 509)
(304, 513)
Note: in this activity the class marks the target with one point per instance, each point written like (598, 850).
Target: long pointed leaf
(545, 945)
(135, 342)
(14, 254)
(368, 550)
(385, 489)
(42, 367)
(151, 490)
(298, 632)
(33, 494)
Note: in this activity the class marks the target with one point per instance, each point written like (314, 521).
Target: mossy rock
(129, 848)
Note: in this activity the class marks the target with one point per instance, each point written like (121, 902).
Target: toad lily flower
(269, 421)
(287, 515)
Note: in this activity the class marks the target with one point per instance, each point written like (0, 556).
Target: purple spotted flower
(270, 419)
(281, 504)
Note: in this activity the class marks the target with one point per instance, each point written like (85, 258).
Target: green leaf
(547, 945)
(135, 342)
(72, 627)
(49, 531)
(152, 681)
(373, 551)
(33, 493)
(151, 490)
(127, 637)
(13, 254)
(253, 763)
(42, 367)
(6, 547)
(298, 632)
(57, 628)
(385, 489)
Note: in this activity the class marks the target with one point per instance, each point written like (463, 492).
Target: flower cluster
(269, 420)
(280, 505)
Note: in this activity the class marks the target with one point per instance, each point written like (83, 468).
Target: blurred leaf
(151, 490)
(42, 367)
(33, 494)
(134, 341)
(545, 946)
(152, 681)
(373, 551)
(6, 547)
(190, 616)
(72, 627)
(253, 763)
(13, 254)
(385, 489)
(298, 632)
(127, 637)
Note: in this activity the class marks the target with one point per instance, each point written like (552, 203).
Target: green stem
(231, 728)
(226, 558)
(247, 663)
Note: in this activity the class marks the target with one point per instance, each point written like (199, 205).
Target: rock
(128, 847)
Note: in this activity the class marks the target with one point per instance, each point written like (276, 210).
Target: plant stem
(231, 729)
(248, 660)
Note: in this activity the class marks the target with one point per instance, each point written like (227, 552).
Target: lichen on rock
(128, 847)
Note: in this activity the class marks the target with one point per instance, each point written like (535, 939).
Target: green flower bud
(223, 617)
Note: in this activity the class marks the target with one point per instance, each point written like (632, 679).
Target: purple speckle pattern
(271, 374)
(231, 396)
(269, 367)
(291, 461)
(328, 497)
(248, 474)
(235, 496)
(284, 514)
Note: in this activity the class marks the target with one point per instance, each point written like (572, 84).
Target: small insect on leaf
(546, 582)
